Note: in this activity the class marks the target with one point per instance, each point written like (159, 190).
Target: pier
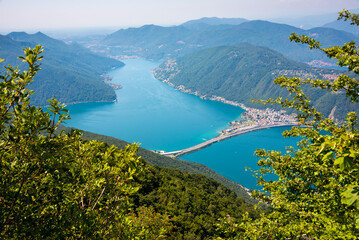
(224, 136)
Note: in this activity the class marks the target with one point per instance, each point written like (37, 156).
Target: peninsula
(251, 120)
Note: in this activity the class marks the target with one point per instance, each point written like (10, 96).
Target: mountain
(70, 73)
(343, 26)
(149, 41)
(244, 72)
(307, 22)
(311, 21)
(214, 21)
(159, 43)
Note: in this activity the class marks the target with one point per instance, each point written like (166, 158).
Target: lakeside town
(253, 117)
(251, 120)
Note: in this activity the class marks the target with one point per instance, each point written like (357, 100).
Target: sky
(25, 15)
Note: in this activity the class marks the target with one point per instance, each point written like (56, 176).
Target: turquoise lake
(160, 117)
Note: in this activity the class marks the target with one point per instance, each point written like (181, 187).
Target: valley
(213, 128)
(162, 118)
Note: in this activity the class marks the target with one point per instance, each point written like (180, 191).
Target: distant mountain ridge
(70, 73)
(161, 43)
(215, 21)
(244, 72)
(343, 26)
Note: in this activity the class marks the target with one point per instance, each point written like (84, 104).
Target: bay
(160, 117)
(152, 113)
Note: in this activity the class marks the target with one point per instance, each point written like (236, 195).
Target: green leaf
(343, 162)
(351, 195)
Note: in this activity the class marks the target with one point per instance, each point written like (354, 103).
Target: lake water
(162, 118)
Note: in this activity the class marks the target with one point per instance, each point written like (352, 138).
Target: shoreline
(252, 119)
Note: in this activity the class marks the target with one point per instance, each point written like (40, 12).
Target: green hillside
(70, 73)
(244, 72)
(193, 194)
(156, 159)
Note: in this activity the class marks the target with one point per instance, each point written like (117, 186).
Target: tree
(57, 186)
(316, 195)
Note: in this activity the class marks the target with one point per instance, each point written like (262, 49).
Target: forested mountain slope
(156, 159)
(70, 73)
(192, 194)
(244, 72)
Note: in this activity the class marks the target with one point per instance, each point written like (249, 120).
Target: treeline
(155, 159)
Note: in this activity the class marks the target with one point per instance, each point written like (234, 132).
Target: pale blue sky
(46, 14)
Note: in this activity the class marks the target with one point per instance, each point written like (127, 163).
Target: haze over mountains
(160, 43)
(72, 73)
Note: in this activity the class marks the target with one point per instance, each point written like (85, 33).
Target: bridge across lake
(222, 137)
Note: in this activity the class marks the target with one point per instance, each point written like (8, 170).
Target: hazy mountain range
(72, 73)
(160, 43)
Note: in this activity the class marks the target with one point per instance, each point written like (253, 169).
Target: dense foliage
(243, 72)
(317, 193)
(194, 201)
(69, 73)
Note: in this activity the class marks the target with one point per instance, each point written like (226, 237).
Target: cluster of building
(254, 119)
(268, 116)
(295, 73)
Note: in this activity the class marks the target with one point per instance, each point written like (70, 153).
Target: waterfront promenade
(223, 136)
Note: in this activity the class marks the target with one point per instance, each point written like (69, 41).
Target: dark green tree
(316, 195)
